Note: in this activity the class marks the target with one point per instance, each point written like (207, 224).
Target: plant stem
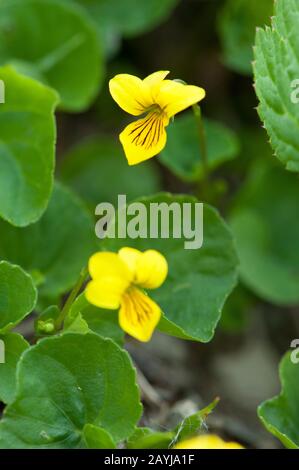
(71, 298)
(202, 146)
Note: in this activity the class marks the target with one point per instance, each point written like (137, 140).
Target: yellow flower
(207, 441)
(117, 283)
(160, 99)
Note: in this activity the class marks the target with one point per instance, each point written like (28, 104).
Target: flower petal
(110, 279)
(130, 93)
(138, 315)
(207, 441)
(105, 293)
(151, 269)
(145, 138)
(130, 257)
(155, 78)
(103, 265)
(174, 97)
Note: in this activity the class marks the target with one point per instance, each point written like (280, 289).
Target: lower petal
(145, 138)
(138, 315)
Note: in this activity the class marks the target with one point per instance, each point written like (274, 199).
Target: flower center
(146, 132)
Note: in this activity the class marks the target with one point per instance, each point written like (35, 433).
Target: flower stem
(202, 145)
(71, 298)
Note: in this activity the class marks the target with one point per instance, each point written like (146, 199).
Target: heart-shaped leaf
(68, 57)
(17, 295)
(63, 384)
(27, 147)
(182, 153)
(281, 414)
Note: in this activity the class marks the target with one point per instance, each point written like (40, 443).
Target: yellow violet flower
(117, 280)
(160, 99)
(207, 441)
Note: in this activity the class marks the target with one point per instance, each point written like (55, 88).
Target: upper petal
(145, 138)
(130, 93)
(155, 78)
(151, 269)
(138, 315)
(130, 257)
(174, 97)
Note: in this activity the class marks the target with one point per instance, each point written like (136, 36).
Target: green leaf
(281, 414)
(266, 227)
(237, 25)
(68, 57)
(145, 438)
(76, 325)
(97, 438)
(193, 423)
(237, 311)
(104, 323)
(17, 296)
(85, 316)
(57, 247)
(204, 276)
(27, 147)
(97, 170)
(140, 16)
(182, 153)
(14, 345)
(66, 382)
(276, 71)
